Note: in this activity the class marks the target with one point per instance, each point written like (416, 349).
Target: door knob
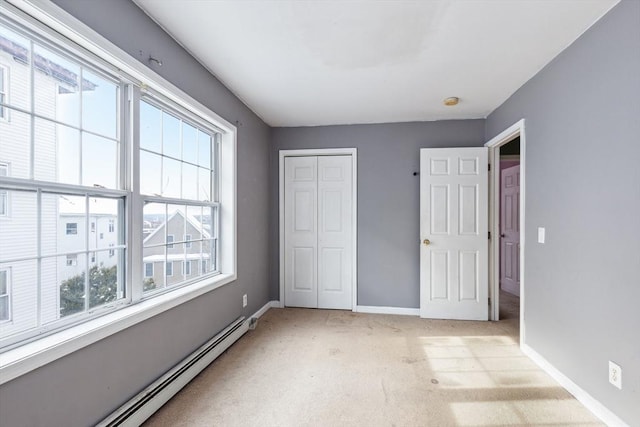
(426, 241)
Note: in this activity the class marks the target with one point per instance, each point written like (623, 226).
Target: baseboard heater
(135, 411)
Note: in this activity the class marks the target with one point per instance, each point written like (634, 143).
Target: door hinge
(489, 235)
(489, 165)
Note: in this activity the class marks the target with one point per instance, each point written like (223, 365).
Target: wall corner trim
(597, 408)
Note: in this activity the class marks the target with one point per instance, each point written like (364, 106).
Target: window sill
(33, 355)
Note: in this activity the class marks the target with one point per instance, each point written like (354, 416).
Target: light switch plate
(541, 234)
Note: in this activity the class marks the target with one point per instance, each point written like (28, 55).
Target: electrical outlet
(615, 375)
(541, 234)
(244, 300)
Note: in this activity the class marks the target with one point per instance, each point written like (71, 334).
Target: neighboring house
(188, 252)
(72, 233)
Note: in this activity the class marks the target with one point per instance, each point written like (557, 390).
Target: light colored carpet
(337, 368)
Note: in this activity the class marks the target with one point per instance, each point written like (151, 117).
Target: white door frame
(517, 129)
(353, 152)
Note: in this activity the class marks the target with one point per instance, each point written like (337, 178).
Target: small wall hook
(157, 61)
(416, 173)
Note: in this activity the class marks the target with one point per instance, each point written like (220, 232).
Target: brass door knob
(426, 241)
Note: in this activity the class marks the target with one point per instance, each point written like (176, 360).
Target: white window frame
(186, 271)
(170, 240)
(72, 260)
(188, 244)
(3, 193)
(7, 273)
(4, 92)
(54, 23)
(168, 268)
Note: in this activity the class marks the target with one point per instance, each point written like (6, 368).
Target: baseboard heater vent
(144, 404)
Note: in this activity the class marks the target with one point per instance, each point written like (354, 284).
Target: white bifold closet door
(318, 232)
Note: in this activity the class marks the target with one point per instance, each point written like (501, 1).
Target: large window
(81, 169)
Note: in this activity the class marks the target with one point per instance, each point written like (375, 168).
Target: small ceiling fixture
(452, 100)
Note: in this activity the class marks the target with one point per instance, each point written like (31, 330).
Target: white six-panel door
(510, 230)
(318, 232)
(454, 233)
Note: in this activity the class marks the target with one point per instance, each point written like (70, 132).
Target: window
(72, 228)
(3, 90)
(5, 303)
(148, 269)
(71, 135)
(186, 268)
(4, 195)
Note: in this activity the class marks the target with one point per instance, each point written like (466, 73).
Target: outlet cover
(615, 375)
(244, 300)
(541, 234)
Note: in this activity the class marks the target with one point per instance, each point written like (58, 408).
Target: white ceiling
(302, 63)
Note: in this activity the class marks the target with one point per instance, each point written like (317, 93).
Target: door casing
(513, 131)
(321, 152)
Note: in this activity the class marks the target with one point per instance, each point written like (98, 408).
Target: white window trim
(172, 242)
(166, 268)
(5, 214)
(32, 355)
(7, 272)
(5, 112)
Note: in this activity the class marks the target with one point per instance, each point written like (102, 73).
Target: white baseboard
(265, 308)
(388, 310)
(597, 408)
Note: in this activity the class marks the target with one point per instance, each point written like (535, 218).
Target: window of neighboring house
(204, 266)
(186, 268)
(72, 228)
(76, 166)
(4, 194)
(148, 269)
(5, 294)
(72, 260)
(4, 84)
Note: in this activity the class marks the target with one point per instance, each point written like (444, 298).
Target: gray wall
(87, 385)
(582, 287)
(388, 198)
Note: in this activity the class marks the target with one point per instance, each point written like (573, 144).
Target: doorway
(318, 223)
(507, 224)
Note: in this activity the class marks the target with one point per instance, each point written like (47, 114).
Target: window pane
(204, 144)
(23, 280)
(19, 233)
(154, 219)
(150, 127)
(99, 105)
(156, 257)
(15, 143)
(204, 185)
(45, 147)
(72, 285)
(99, 161)
(189, 143)
(194, 227)
(104, 282)
(19, 81)
(170, 177)
(63, 223)
(170, 135)
(150, 173)
(104, 213)
(68, 155)
(189, 182)
(57, 81)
